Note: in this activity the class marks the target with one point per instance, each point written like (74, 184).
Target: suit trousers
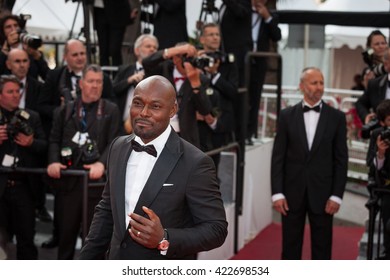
(17, 217)
(110, 39)
(293, 226)
(70, 213)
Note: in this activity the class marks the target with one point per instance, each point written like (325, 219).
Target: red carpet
(267, 244)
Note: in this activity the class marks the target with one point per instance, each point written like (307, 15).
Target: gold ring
(138, 234)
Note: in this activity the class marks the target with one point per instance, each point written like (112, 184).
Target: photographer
(22, 143)
(82, 132)
(222, 92)
(376, 46)
(178, 65)
(12, 35)
(377, 90)
(378, 159)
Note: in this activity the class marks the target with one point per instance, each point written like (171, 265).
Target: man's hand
(262, 9)
(24, 140)
(369, 117)
(193, 74)
(36, 54)
(331, 207)
(54, 169)
(382, 146)
(136, 77)
(96, 170)
(281, 206)
(147, 232)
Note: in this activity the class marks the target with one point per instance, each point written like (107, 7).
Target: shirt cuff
(336, 199)
(269, 19)
(277, 196)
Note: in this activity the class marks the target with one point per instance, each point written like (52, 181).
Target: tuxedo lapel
(163, 167)
(122, 156)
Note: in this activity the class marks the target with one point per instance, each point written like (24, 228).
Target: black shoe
(43, 215)
(51, 243)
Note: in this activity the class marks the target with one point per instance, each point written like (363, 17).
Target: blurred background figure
(376, 47)
(111, 19)
(130, 75)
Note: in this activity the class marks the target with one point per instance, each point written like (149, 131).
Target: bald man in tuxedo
(162, 199)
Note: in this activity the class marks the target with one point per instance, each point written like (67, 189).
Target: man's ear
(7, 63)
(173, 110)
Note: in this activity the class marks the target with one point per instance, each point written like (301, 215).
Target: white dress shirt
(138, 169)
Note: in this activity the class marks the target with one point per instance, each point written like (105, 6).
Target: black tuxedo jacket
(188, 102)
(320, 172)
(32, 93)
(121, 86)
(190, 208)
(372, 96)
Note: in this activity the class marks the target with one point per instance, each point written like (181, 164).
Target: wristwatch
(164, 243)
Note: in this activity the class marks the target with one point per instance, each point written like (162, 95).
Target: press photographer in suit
(378, 160)
(22, 143)
(162, 200)
(309, 168)
(82, 132)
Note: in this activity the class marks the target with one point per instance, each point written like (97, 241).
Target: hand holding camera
(382, 143)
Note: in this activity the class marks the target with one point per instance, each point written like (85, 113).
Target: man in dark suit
(222, 91)
(129, 76)
(309, 168)
(61, 84)
(110, 21)
(377, 90)
(18, 63)
(255, 28)
(190, 84)
(18, 147)
(80, 138)
(162, 205)
(170, 22)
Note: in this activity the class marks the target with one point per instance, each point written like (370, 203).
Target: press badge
(9, 161)
(80, 138)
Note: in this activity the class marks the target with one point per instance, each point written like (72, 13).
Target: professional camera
(369, 59)
(385, 135)
(200, 62)
(32, 41)
(223, 57)
(370, 126)
(67, 156)
(89, 152)
(19, 124)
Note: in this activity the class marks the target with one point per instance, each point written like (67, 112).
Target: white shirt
(138, 169)
(388, 88)
(130, 94)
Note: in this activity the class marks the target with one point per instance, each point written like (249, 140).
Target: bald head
(154, 104)
(18, 63)
(75, 55)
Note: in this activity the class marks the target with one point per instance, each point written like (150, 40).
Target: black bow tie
(315, 108)
(73, 74)
(150, 149)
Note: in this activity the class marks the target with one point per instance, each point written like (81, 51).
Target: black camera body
(223, 57)
(200, 62)
(377, 69)
(89, 152)
(369, 127)
(385, 135)
(18, 124)
(34, 42)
